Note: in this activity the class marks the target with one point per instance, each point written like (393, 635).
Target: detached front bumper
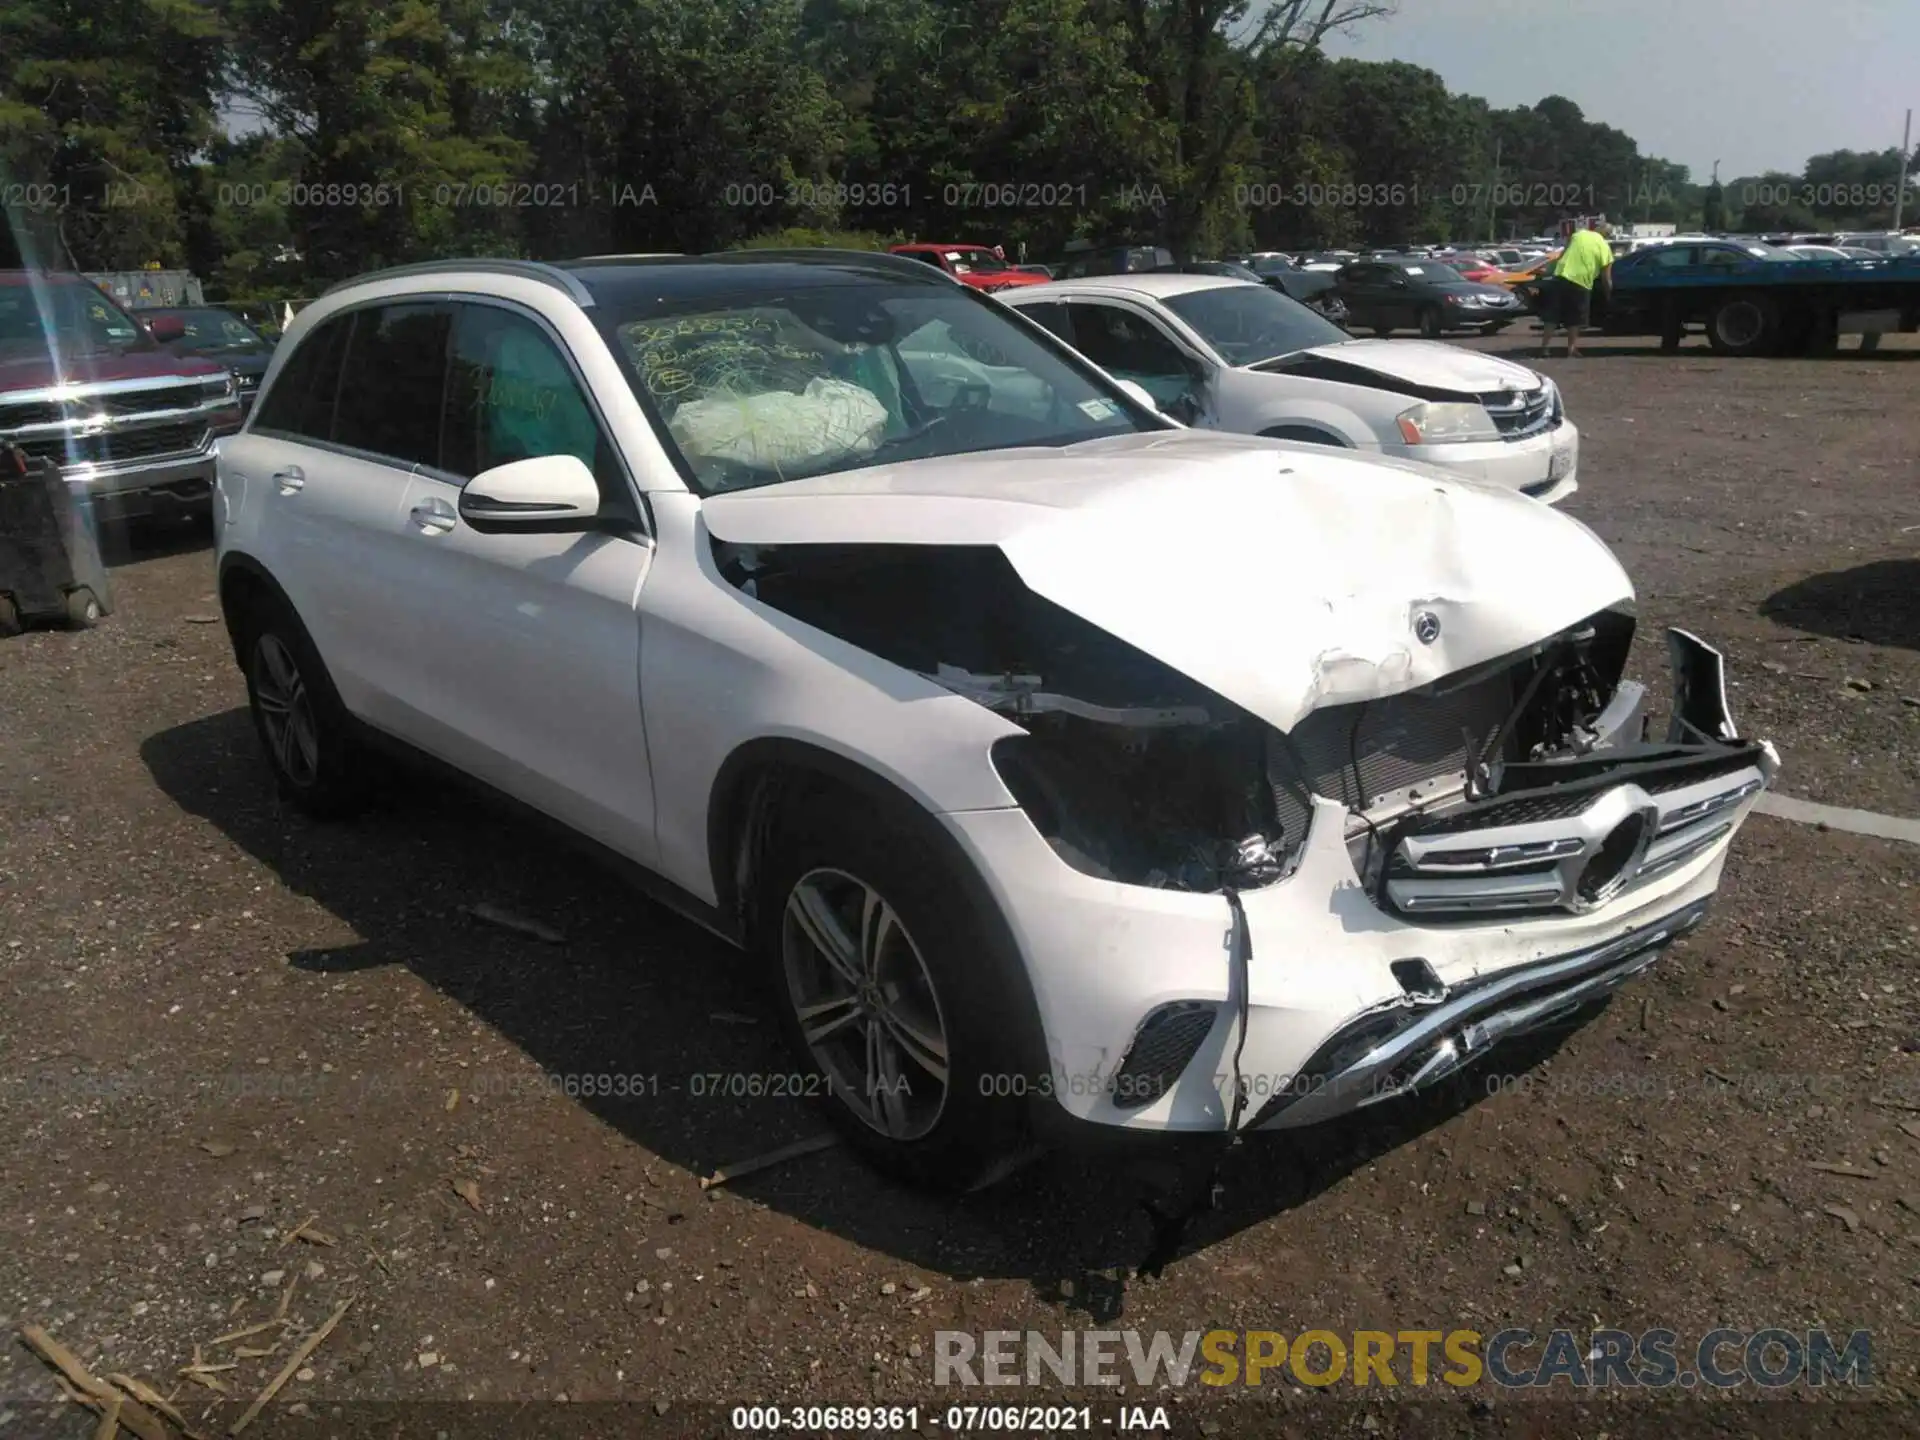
(1350, 995)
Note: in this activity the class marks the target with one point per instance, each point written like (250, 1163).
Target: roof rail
(525, 269)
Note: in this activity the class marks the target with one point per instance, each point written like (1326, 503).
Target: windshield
(1250, 323)
(210, 329)
(754, 389)
(984, 262)
(77, 320)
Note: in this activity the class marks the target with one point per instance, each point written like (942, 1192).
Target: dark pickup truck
(1753, 298)
(131, 425)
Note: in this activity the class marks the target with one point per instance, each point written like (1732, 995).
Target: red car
(978, 266)
(1472, 267)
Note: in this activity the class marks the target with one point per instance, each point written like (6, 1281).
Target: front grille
(1361, 753)
(113, 447)
(38, 412)
(140, 402)
(1520, 413)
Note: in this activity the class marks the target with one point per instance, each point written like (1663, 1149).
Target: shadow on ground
(1878, 602)
(131, 541)
(635, 989)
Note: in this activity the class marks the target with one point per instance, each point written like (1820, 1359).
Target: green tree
(399, 121)
(1200, 60)
(102, 108)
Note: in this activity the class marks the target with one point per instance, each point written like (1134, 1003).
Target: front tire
(893, 994)
(317, 760)
(1431, 323)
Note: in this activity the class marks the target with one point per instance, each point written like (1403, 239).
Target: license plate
(1558, 464)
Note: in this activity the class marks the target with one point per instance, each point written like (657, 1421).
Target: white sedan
(1222, 354)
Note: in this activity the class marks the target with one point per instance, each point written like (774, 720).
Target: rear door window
(390, 387)
(300, 404)
(1052, 316)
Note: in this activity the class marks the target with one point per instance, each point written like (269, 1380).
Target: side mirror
(165, 329)
(549, 494)
(1139, 394)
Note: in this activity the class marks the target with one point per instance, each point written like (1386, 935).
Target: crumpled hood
(1282, 577)
(1431, 364)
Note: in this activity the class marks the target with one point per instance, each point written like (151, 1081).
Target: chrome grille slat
(1544, 864)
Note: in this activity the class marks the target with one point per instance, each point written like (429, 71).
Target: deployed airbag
(781, 430)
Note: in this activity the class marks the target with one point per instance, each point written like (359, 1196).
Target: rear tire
(317, 760)
(864, 932)
(9, 618)
(1744, 325)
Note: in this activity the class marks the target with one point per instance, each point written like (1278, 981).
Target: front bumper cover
(1317, 1015)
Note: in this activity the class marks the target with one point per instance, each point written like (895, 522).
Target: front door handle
(291, 479)
(434, 516)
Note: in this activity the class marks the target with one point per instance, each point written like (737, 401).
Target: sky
(1754, 84)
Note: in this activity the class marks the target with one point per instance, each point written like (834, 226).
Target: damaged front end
(1523, 784)
(1570, 804)
(1132, 771)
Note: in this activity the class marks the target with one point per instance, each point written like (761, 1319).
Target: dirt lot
(221, 1022)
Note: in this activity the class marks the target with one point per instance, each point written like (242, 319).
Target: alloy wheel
(286, 711)
(866, 1003)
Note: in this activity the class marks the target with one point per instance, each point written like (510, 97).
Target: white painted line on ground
(1858, 822)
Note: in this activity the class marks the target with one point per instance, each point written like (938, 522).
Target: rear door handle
(290, 479)
(434, 516)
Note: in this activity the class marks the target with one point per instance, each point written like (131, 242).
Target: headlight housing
(1445, 422)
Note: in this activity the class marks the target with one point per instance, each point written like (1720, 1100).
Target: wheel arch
(243, 581)
(763, 774)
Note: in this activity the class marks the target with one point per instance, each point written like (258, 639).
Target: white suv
(1057, 764)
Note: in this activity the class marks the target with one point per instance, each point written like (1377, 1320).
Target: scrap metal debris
(742, 1168)
(469, 1191)
(1828, 1167)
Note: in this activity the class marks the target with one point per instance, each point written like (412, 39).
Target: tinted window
(390, 386)
(1052, 317)
(300, 400)
(1130, 347)
(512, 396)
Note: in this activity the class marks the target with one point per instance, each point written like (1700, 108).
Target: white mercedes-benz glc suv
(1060, 766)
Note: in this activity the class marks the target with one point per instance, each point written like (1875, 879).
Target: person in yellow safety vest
(1567, 297)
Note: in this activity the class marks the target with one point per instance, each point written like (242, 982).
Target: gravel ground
(221, 1022)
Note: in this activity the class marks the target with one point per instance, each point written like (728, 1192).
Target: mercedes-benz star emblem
(1426, 627)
